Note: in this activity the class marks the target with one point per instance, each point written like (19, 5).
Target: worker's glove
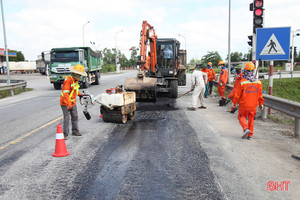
(70, 108)
(261, 107)
(221, 84)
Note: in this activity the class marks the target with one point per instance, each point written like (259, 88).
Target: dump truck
(42, 63)
(61, 59)
(182, 60)
(158, 69)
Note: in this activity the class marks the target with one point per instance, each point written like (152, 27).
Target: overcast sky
(33, 26)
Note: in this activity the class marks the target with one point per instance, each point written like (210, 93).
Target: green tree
(109, 57)
(195, 61)
(123, 60)
(133, 57)
(213, 57)
(235, 57)
(297, 59)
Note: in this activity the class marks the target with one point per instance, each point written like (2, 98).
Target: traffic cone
(60, 146)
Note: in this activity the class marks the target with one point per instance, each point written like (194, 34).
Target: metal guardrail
(13, 84)
(292, 73)
(288, 107)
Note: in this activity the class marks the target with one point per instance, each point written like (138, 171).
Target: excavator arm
(145, 87)
(147, 36)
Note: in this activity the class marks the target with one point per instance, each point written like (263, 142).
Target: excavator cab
(167, 56)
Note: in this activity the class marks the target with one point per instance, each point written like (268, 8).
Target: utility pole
(229, 51)
(6, 51)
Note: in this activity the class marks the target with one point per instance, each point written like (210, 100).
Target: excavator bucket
(144, 87)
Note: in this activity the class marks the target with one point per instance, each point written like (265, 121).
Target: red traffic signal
(257, 14)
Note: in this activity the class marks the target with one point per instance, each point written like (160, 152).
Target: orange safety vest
(70, 91)
(207, 71)
(223, 76)
(237, 82)
(213, 75)
(249, 95)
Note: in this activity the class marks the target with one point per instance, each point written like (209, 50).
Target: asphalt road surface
(166, 152)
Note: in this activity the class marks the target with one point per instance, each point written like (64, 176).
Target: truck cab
(61, 59)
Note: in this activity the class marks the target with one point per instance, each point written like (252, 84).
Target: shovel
(169, 104)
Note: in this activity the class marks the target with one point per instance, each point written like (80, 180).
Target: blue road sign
(273, 43)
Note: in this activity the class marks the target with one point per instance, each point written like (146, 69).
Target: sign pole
(271, 82)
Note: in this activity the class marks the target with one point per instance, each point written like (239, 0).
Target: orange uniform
(212, 75)
(207, 71)
(249, 95)
(222, 82)
(237, 82)
(70, 91)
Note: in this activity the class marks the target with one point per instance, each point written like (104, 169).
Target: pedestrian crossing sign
(273, 43)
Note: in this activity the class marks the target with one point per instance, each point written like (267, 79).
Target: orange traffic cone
(60, 146)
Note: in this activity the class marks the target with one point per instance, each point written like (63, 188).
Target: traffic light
(257, 14)
(250, 38)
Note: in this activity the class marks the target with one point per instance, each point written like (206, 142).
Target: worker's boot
(77, 134)
(192, 108)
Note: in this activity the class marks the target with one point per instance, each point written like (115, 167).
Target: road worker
(249, 95)
(207, 71)
(70, 91)
(223, 80)
(199, 80)
(238, 79)
(212, 77)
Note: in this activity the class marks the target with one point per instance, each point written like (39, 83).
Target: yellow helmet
(221, 62)
(78, 69)
(249, 66)
(209, 63)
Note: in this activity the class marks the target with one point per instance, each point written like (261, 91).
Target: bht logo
(273, 185)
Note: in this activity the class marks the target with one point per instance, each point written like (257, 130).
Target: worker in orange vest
(212, 78)
(70, 91)
(239, 77)
(223, 80)
(249, 95)
(207, 71)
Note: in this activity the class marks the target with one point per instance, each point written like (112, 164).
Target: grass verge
(6, 93)
(286, 88)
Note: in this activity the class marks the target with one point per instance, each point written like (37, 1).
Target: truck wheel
(173, 88)
(57, 86)
(85, 83)
(97, 78)
(131, 116)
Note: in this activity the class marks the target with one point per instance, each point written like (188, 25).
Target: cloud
(34, 26)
